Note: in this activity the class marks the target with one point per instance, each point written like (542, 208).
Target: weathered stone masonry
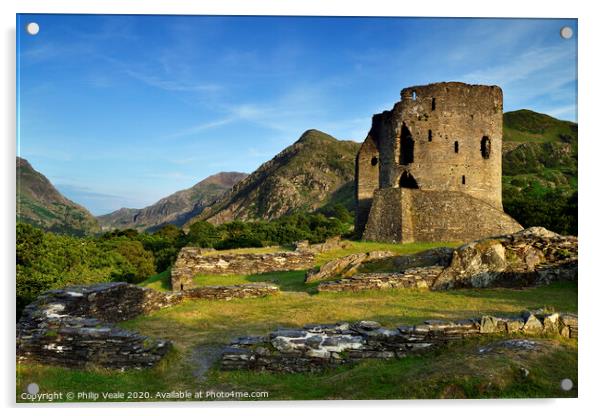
(317, 347)
(75, 326)
(430, 169)
(192, 261)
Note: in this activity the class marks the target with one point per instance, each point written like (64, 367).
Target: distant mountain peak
(176, 208)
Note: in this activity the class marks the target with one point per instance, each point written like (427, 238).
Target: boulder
(529, 257)
(344, 266)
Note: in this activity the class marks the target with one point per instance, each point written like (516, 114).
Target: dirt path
(203, 357)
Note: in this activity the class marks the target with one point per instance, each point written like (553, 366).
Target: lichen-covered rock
(74, 327)
(438, 256)
(421, 278)
(319, 346)
(529, 257)
(344, 266)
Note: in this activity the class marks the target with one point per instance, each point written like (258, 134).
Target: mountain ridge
(41, 204)
(176, 208)
(303, 176)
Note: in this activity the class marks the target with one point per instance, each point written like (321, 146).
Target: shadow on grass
(159, 281)
(563, 294)
(288, 281)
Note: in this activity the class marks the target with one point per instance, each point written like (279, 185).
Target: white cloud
(523, 66)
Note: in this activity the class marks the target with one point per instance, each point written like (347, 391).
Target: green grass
(198, 321)
(170, 374)
(158, 281)
(529, 126)
(292, 281)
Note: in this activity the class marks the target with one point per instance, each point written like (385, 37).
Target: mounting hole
(566, 32)
(566, 384)
(33, 388)
(32, 28)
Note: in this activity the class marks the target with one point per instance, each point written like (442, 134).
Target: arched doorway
(407, 181)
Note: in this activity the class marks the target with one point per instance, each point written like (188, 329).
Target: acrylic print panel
(276, 208)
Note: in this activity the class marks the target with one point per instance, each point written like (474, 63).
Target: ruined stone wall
(407, 215)
(414, 278)
(317, 347)
(192, 261)
(75, 327)
(366, 167)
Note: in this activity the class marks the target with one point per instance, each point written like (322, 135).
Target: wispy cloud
(563, 112)
(172, 84)
(200, 128)
(83, 191)
(522, 66)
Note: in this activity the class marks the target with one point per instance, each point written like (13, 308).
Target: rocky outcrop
(75, 326)
(534, 256)
(344, 266)
(421, 278)
(317, 347)
(192, 261)
(438, 256)
(529, 257)
(350, 265)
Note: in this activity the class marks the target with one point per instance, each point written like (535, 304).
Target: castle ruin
(431, 168)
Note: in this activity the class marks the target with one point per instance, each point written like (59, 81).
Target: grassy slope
(39, 203)
(543, 153)
(217, 322)
(529, 126)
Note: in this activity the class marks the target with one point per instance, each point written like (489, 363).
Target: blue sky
(124, 110)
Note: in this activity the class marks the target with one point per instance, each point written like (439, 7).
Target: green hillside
(539, 168)
(315, 171)
(39, 203)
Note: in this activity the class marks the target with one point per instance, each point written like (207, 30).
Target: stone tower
(431, 168)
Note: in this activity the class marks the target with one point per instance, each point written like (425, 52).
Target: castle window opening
(407, 146)
(407, 181)
(463, 180)
(374, 161)
(430, 135)
(433, 105)
(456, 146)
(181, 286)
(485, 147)
(413, 95)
